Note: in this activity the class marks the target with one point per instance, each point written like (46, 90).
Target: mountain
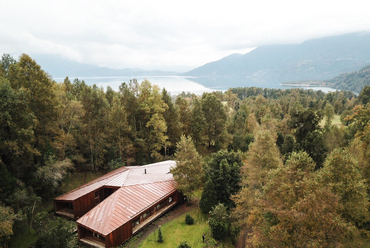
(59, 67)
(353, 81)
(316, 59)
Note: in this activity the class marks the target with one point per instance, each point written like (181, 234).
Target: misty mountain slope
(60, 67)
(214, 67)
(316, 59)
(354, 81)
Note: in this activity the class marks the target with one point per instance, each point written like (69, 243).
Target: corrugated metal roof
(124, 176)
(150, 173)
(124, 204)
(91, 186)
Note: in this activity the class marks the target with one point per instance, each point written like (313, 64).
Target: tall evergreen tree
(39, 89)
(198, 123)
(96, 109)
(172, 118)
(215, 119)
(185, 115)
(188, 172)
(223, 180)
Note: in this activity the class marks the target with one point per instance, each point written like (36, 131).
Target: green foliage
(198, 123)
(172, 118)
(223, 180)
(7, 183)
(121, 147)
(51, 174)
(219, 222)
(7, 218)
(46, 129)
(354, 81)
(364, 96)
(115, 164)
(176, 230)
(188, 172)
(7, 61)
(160, 237)
(342, 175)
(16, 130)
(55, 234)
(184, 244)
(294, 208)
(215, 119)
(95, 108)
(329, 113)
(308, 134)
(185, 115)
(26, 75)
(189, 220)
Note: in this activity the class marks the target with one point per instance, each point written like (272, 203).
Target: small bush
(184, 244)
(189, 220)
(160, 237)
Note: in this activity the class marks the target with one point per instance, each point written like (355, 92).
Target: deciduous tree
(342, 175)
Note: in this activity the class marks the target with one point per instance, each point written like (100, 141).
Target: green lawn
(176, 231)
(335, 121)
(23, 239)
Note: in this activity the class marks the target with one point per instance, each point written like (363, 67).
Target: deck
(92, 241)
(150, 219)
(66, 212)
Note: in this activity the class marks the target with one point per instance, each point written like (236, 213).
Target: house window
(170, 199)
(97, 197)
(135, 222)
(70, 205)
(96, 235)
(147, 214)
(159, 206)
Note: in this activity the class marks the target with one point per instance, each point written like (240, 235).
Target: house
(112, 208)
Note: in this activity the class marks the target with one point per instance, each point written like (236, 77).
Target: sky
(168, 35)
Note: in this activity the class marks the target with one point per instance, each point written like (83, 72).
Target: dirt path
(172, 214)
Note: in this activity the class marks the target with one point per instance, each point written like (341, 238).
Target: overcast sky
(168, 35)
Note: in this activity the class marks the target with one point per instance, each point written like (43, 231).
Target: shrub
(160, 237)
(219, 222)
(184, 244)
(189, 220)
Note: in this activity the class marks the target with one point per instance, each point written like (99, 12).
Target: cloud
(168, 34)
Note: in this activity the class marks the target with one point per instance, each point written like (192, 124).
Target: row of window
(148, 213)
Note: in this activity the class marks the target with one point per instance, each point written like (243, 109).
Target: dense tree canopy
(299, 180)
(223, 180)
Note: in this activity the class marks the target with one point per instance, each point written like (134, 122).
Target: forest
(281, 167)
(353, 81)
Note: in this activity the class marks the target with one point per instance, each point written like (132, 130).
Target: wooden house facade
(120, 204)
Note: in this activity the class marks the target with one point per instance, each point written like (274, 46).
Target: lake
(177, 84)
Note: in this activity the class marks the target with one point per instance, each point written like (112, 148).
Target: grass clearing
(335, 121)
(24, 239)
(175, 231)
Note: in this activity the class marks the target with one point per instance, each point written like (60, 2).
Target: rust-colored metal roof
(124, 204)
(124, 176)
(91, 186)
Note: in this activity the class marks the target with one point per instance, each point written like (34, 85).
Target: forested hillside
(354, 81)
(267, 169)
(315, 59)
